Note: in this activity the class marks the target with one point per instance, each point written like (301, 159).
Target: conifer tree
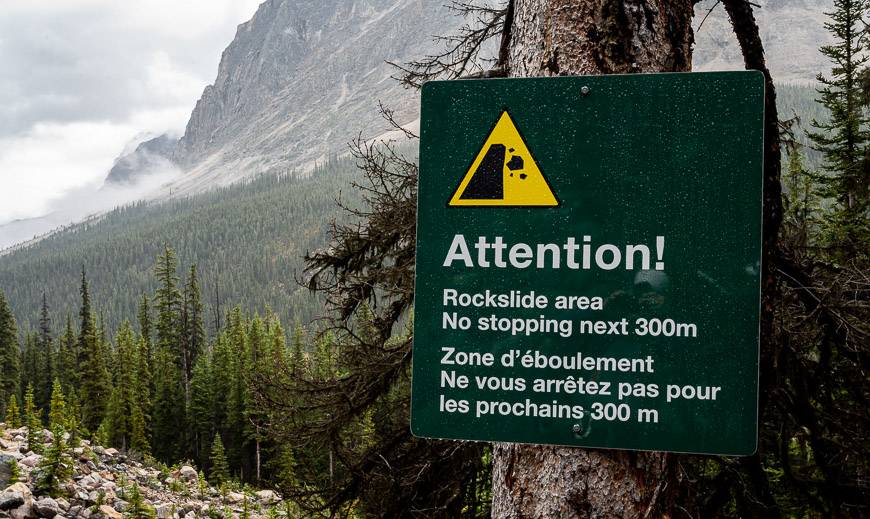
(144, 317)
(46, 356)
(137, 508)
(844, 139)
(56, 467)
(68, 356)
(193, 331)
(220, 471)
(200, 409)
(95, 381)
(58, 414)
(168, 415)
(9, 352)
(124, 406)
(167, 301)
(13, 414)
(800, 203)
(32, 421)
(30, 363)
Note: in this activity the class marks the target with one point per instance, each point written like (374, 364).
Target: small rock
(10, 500)
(121, 505)
(47, 436)
(63, 504)
(111, 452)
(47, 507)
(31, 460)
(235, 497)
(111, 513)
(99, 450)
(74, 511)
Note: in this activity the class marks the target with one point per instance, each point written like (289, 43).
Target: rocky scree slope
(103, 481)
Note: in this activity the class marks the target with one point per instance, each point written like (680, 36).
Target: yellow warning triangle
(504, 173)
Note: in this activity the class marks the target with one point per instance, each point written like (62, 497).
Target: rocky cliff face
(102, 487)
(300, 80)
(303, 77)
(151, 156)
(792, 31)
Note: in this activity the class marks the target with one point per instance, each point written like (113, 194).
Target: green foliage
(14, 471)
(9, 352)
(247, 239)
(220, 471)
(32, 419)
(58, 415)
(137, 508)
(13, 414)
(844, 139)
(95, 382)
(56, 466)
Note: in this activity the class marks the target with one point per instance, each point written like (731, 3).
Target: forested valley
(188, 331)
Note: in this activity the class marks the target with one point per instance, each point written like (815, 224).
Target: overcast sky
(81, 79)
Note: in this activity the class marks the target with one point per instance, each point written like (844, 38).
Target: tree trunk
(576, 37)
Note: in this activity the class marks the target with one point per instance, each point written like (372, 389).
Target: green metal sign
(588, 257)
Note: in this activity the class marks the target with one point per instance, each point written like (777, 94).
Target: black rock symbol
(515, 163)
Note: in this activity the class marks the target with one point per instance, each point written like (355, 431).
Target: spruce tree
(94, 377)
(843, 140)
(137, 508)
(167, 301)
(13, 414)
(68, 356)
(220, 470)
(32, 420)
(46, 356)
(10, 356)
(58, 413)
(193, 331)
(56, 467)
(124, 406)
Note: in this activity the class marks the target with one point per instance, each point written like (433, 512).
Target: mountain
(303, 77)
(792, 32)
(151, 156)
(300, 80)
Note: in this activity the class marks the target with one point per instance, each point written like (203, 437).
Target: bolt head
(577, 428)
(584, 90)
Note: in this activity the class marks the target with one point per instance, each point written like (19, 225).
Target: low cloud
(88, 201)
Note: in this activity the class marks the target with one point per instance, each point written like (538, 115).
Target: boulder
(63, 504)
(31, 460)
(267, 497)
(26, 509)
(111, 452)
(47, 507)
(74, 511)
(164, 511)
(109, 512)
(235, 497)
(188, 474)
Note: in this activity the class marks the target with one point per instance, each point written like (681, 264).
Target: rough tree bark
(575, 37)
